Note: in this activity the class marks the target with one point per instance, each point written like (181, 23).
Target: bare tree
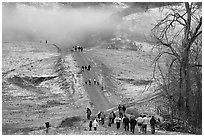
(179, 35)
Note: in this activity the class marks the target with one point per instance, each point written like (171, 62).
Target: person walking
(124, 109)
(94, 81)
(47, 125)
(117, 121)
(139, 123)
(110, 117)
(82, 68)
(152, 124)
(90, 125)
(89, 81)
(126, 122)
(95, 124)
(99, 116)
(89, 67)
(144, 124)
(88, 111)
(133, 123)
(102, 117)
(119, 107)
(114, 116)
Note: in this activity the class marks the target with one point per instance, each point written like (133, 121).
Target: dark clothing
(114, 116)
(110, 119)
(88, 113)
(152, 124)
(95, 128)
(153, 129)
(132, 129)
(89, 67)
(88, 116)
(119, 107)
(99, 115)
(102, 121)
(126, 123)
(126, 120)
(90, 125)
(102, 118)
(133, 123)
(126, 127)
(47, 124)
(89, 82)
(144, 127)
(120, 114)
(124, 108)
(117, 125)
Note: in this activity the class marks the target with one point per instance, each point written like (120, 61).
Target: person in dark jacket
(133, 123)
(88, 111)
(152, 124)
(89, 81)
(124, 109)
(47, 124)
(82, 68)
(119, 107)
(99, 116)
(89, 67)
(126, 122)
(90, 125)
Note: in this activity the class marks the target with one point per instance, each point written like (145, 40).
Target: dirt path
(95, 93)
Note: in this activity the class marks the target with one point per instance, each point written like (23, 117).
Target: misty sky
(55, 23)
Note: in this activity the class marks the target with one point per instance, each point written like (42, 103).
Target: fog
(57, 24)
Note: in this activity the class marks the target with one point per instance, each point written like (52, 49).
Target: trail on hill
(95, 93)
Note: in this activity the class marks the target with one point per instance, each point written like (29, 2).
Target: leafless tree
(179, 35)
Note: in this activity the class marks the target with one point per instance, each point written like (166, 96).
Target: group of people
(129, 122)
(94, 82)
(88, 68)
(95, 123)
(77, 48)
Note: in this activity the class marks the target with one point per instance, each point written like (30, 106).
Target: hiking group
(77, 48)
(129, 122)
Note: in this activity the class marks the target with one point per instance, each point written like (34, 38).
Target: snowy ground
(130, 71)
(27, 103)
